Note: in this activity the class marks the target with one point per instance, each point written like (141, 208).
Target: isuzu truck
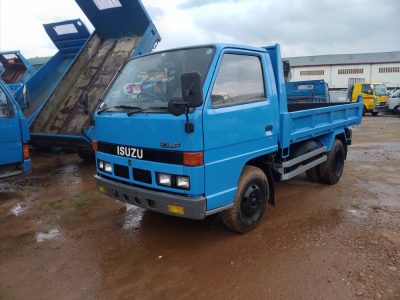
(202, 130)
(14, 135)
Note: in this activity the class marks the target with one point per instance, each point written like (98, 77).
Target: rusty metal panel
(91, 72)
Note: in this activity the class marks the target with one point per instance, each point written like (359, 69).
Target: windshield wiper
(118, 107)
(146, 109)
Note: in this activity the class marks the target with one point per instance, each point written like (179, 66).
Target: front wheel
(374, 113)
(251, 199)
(332, 169)
(396, 110)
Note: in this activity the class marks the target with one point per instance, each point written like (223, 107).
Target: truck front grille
(142, 175)
(121, 171)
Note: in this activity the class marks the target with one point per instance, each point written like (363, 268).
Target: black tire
(374, 114)
(364, 111)
(396, 110)
(332, 169)
(313, 174)
(251, 199)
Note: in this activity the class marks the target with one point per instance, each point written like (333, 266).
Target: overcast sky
(307, 27)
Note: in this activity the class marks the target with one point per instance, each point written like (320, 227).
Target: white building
(340, 70)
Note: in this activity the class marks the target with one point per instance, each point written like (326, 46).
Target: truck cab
(374, 95)
(197, 131)
(14, 136)
(394, 102)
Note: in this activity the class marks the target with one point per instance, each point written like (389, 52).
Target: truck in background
(17, 70)
(122, 29)
(14, 135)
(307, 91)
(374, 95)
(394, 102)
(197, 131)
(69, 37)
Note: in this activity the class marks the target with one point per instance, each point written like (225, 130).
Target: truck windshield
(149, 82)
(380, 90)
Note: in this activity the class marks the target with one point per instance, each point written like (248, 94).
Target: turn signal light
(193, 159)
(26, 151)
(94, 146)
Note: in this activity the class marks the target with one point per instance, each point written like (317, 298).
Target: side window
(4, 108)
(239, 81)
(367, 89)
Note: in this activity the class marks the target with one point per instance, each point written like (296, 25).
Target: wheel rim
(338, 164)
(251, 201)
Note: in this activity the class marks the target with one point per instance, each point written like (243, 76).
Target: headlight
(183, 182)
(164, 179)
(108, 167)
(101, 165)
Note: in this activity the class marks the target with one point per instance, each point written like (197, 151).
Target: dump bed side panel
(68, 36)
(308, 123)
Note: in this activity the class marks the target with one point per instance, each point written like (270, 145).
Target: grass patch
(81, 203)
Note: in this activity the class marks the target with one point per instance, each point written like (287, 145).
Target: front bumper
(381, 107)
(193, 207)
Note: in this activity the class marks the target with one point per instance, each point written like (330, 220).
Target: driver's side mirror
(25, 95)
(84, 103)
(192, 94)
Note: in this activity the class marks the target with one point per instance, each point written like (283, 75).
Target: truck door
(10, 135)
(239, 123)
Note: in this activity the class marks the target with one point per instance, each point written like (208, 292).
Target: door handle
(268, 128)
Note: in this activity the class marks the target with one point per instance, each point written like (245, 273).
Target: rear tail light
(193, 159)
(26, 151)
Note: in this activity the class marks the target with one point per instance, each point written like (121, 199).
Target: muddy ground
(60, 239)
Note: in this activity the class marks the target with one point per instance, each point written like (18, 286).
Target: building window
(389, 70)
(350, 71)
(312, 73)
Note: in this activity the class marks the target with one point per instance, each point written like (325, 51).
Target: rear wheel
(332, 169)
(396, 110)
(374, 113)
(251, 200)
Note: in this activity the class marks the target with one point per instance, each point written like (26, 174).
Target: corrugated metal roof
(345, 59)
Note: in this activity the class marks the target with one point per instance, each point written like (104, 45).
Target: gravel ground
(60, 239)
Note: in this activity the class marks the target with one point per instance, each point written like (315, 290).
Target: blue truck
(14, 135)
(81, 71)
(17, 70)
(307, 91)
(202, 130)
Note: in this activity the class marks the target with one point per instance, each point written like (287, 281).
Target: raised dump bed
(122, 29)
(69, 37)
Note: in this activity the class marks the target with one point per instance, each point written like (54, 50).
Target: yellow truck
(374, 95)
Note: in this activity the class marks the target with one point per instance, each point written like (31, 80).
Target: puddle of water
(69, 173)
(356, 213)
(133, 217)
(18, 209)
(46, 236)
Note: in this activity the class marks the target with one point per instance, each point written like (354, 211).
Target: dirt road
(60, 239)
